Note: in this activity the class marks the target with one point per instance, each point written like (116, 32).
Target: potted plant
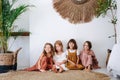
(105, 6)
(108, 6)
(8, 14)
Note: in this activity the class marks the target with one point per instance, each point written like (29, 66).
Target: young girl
(45, 62)
(59, 58)
(73, 55)
(87, 57)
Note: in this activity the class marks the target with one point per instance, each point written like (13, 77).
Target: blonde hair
(59, 43)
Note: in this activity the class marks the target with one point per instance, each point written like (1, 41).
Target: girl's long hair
(74, 42)
(89, 44)
(59, 43)
(52, 49)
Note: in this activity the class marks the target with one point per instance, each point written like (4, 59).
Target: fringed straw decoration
(76, 11)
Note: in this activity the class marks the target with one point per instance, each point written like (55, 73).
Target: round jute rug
(68, 75)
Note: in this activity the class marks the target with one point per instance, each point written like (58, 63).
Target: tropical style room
(59, 40)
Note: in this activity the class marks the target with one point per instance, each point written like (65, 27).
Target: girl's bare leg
(61, 69)
(54, 69)
(89, 68)
(43, 64)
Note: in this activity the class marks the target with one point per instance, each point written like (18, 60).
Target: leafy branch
(105, 6)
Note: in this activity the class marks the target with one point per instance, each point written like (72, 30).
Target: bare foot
(85, 69)
(54, 69)
(60, 70)
(88, 70)
(42, 70)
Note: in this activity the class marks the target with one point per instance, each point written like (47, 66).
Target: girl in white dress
(59, 58)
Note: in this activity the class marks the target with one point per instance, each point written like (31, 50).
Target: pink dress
(88, 58)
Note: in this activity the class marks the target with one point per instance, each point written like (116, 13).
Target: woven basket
(6, 59)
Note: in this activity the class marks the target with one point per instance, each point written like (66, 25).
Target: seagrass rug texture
(68, 75)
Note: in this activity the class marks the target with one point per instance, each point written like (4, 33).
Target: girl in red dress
(45, 61)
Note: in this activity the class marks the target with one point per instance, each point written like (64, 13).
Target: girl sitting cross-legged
(59, 58)
(73, 55)
(87, 57)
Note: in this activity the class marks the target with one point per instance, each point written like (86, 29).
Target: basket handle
(15, 55)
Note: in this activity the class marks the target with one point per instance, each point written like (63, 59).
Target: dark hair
(52, 49)
(59, 43)
(74, 42)
(89, 44)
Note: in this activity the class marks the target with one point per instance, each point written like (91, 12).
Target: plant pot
(8, 61)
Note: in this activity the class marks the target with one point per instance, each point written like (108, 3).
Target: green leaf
(7, 19)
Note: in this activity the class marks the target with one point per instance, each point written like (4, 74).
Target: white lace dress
(60, 58)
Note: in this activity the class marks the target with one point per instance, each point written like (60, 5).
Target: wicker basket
(6, 59)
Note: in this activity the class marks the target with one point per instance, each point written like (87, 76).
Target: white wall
(118, 23)
(23, 56)
(22, 41)
(46, 25)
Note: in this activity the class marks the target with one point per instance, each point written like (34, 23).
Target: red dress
(43, 63)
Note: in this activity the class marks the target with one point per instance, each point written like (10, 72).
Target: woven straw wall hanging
(76, 11)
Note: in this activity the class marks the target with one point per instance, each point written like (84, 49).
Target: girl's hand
(76, 65)
(73, 63)
(57, 63)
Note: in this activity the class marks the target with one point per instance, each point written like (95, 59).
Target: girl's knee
(89, 56)
(44, 59)
(53, 66)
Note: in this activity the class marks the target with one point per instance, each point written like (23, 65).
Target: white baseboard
(21, 67)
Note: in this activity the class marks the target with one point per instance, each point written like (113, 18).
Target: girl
(73, 55)
(87, 57)
(45, 62)
(59, 57)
